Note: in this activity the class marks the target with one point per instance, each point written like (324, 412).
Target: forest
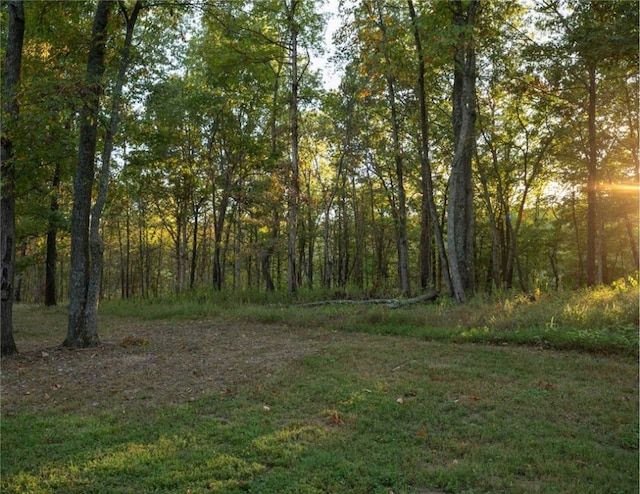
(154, 147)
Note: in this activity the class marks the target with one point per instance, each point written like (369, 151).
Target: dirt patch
(145, 365)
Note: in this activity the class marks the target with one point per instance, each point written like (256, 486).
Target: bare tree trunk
(79, 333)
(194, 244)
(182, 248)
(13, 63)
(95, 244)
(574, 218)
(400, 215)
(493, 231)
(127, 256)
(592, 182)
(294, 185)
(633, 239)
(460, 217)
(267, 255)
(429, 211)
(219, 219)
(634, 140)
(52, 233)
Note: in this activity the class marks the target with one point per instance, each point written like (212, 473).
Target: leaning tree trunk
(13, 62)
(460, 215)
(428, 210)
(95, 242)
(79, 332)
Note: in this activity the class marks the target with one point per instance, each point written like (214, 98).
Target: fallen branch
(391, 303)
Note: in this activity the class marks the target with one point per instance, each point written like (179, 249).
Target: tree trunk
(592, 181)
(13, 63)
(493, 231)
(429, 212)
(194, 244)
(633, 239)
(95, 244)
(400, 215)
(79, 332)
(182, 240)
(269, 249)
(219, 218)
(294, 185)
(127, 252)
(52, 233)
(460, 217)
(268, 253)
(579, 244)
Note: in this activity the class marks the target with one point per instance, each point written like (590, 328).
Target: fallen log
(391, 303)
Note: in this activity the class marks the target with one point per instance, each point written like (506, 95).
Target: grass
(384, 403)
(603, 319)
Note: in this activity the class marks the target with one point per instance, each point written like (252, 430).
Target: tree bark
(269, 248)
(50, 298)
(429, 212)
(460, 214)
(194, 244)
(592, 181)
(13, 63)
(392, 303)
(79, 332)
(95, 242)
(294, 184)
(400, 215)
(219, 220)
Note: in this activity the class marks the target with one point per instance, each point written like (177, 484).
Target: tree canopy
(470, 146)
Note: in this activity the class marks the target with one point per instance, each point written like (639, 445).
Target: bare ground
(146, 364)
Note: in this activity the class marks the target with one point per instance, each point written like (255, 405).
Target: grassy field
(229, 396)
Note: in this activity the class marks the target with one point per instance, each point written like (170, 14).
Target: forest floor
(228, 403)
(142, 363)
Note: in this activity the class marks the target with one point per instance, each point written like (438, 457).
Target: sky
(330, 77)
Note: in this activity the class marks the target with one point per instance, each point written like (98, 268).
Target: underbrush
(602, 319)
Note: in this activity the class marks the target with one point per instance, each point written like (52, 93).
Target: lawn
(274, 400)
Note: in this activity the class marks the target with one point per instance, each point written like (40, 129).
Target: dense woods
(171, 147)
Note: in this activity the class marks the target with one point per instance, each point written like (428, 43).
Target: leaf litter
(150, 364)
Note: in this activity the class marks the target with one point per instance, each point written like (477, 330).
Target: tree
(227, 170)
(378, 79)
(293, 191)
(96, 247)
(13, 62)
(460, 215)
(47, 137)
(401, 210)
(50, 294)
(80, 333)
(595, 46)
(516, 124)
(429, 213)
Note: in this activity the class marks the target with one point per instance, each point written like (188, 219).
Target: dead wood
(391, 303)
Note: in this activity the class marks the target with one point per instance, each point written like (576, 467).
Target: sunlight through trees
(469, 146)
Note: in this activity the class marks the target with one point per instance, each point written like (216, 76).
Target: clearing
(213, 405)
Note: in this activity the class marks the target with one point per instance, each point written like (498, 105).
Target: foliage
(200, 188)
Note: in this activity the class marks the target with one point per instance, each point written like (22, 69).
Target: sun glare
(622, 188)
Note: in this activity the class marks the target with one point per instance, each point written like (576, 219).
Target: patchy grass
(600, 320)
(275, 399)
